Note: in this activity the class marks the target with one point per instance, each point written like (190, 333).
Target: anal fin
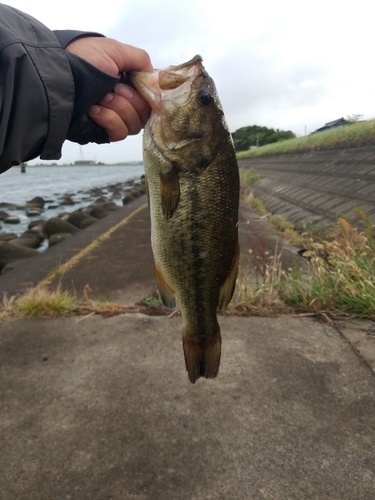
(166, 293)
(227, 289)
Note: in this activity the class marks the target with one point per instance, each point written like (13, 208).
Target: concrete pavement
(101, 408)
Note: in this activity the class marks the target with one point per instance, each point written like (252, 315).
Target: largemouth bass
(193, 187)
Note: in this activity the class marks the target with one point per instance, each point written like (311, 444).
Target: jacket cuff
(90, 85)
(65, 37)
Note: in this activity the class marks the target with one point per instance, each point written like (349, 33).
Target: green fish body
(193, 188)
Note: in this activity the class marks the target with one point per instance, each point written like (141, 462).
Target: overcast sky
(293, 65)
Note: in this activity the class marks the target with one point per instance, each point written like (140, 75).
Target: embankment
(314, 187)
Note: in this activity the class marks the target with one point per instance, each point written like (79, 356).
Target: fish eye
(204, 97)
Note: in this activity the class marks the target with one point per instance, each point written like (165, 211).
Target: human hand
(122, 112)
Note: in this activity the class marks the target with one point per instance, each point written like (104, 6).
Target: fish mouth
(171, 83)
(196, 59)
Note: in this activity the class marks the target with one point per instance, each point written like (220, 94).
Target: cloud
(286, 65)
(171, 32)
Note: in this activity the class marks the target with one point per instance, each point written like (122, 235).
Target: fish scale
(193, 188)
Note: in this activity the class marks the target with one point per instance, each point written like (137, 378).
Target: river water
(51, 182)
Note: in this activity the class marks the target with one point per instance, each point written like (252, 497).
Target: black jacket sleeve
(44, 91)
(90, 86)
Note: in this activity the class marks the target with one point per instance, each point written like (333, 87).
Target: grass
(341, 278)
(6, 307)
(299, 235)
(56, 272)
(281, 223)
(351, 133)
(153, 301)
(42, 302)
(256, 204)
(102, 299)
(343, 273)
(248, 177)
(342, 258)
(257, 290)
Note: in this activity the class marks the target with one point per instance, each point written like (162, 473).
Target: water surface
(51, 182)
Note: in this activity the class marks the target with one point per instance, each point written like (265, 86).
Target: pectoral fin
(166, 293)
(170, 192)
(227, 289)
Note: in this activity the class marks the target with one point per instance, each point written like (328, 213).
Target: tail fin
(202, 359)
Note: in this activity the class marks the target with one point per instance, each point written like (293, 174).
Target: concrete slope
(315, 187)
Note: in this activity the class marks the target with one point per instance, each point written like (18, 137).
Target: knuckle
(112, 119)
(145, 56)
(144, 59)
(134, 130)
(114, 126)
(118, 135)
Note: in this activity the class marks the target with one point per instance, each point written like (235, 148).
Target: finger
(110, 121)
(130, 58)
(134, 97)
(109, 55)
(125, 111)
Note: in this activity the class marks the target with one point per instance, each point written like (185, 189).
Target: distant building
(84, 162)
(335, 124)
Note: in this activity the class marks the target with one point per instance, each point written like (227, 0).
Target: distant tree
(353, 118)
(255, 135)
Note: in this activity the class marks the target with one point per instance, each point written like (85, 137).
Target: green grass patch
(351, 133)
(312, 231)
(287, 229)
(152, 301)
(341, 278)
(255, 203)
(56, 272)
(43, 302)
(248, 177)
(343, 273)
(281, 223)
(301, 234)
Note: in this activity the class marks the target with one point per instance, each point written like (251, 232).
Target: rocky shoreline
(42, 233)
